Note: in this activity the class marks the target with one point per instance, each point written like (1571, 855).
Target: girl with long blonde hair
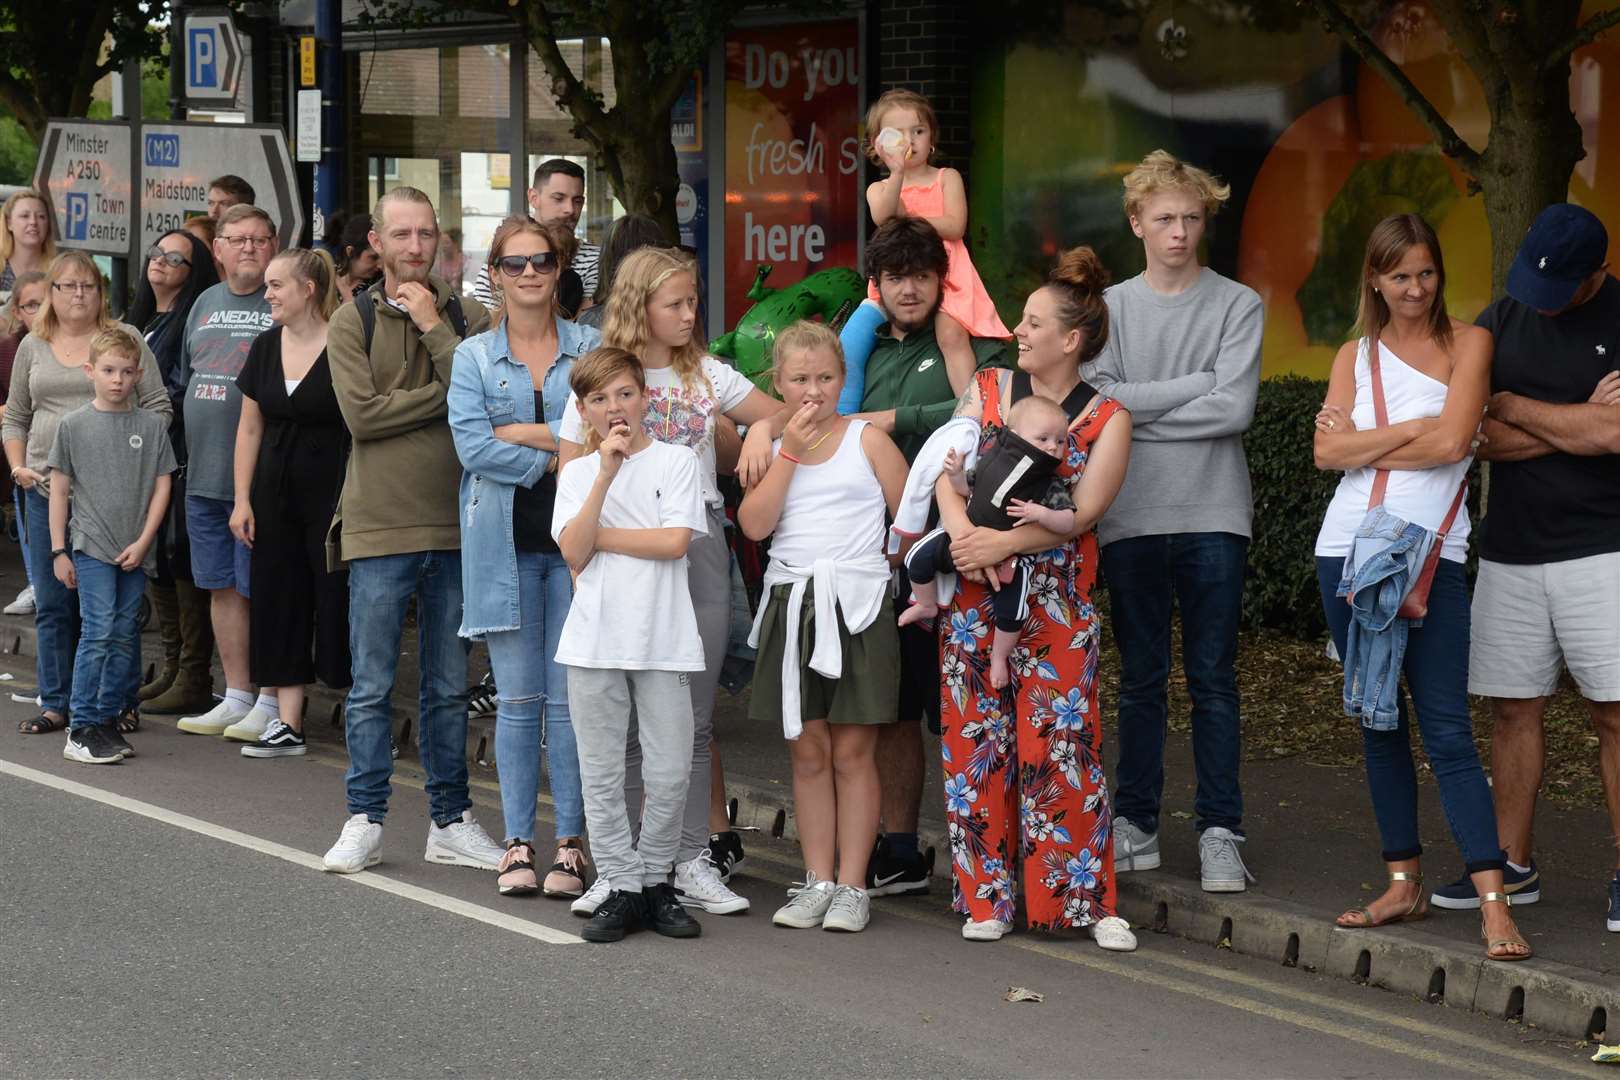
(652, 314)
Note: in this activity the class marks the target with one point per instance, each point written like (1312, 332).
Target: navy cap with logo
(1565, 246)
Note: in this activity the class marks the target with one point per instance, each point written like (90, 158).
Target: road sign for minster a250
(84, 165)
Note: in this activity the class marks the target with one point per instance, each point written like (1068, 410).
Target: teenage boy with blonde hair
(1183, 355)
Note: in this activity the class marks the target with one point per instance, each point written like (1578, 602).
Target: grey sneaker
(807, 904)
(849, 910)
(1220, 865)
(1134, 848)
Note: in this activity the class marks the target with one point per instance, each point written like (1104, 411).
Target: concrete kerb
(1552, 996)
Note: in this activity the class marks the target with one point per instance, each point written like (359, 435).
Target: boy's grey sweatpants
(708, 577)
(600, 701)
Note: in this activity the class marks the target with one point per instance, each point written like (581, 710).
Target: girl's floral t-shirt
(680, 415)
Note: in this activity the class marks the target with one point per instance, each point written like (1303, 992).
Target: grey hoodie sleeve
(1227, 408)
(1149, 399)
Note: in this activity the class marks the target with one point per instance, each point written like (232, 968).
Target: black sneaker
(620, 914)
(278, 740)
(666, 915)
(90, 746)
(887, 874)
(1524, 887)
(116, 738)
(726, 853)
(482, 698)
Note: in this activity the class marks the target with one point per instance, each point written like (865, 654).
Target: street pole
(129, 108)
(177, 61)
(329, 171)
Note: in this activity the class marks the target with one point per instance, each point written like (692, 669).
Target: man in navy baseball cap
(1560, 253)
(1549, 545)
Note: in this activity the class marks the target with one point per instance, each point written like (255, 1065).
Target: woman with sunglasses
(48, 381)
(179, 266)
(17, 317)
(507, 393)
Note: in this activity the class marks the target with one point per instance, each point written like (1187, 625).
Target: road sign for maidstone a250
(85, 167)
(104, 205)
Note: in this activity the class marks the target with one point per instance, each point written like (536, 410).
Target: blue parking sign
(202, 45)
(78, 216)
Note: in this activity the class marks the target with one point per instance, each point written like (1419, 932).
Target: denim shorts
(218, 559)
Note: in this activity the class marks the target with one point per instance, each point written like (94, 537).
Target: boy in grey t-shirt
(110, 467)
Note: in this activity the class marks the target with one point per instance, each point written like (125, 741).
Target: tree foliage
(53, 52)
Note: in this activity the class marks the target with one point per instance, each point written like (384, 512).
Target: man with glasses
(219, 330)
(398, 530)
(557, 198)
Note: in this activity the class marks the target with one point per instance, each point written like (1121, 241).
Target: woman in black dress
(291, 447)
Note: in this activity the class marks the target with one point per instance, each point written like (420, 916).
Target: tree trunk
(1535, 145)
(647, 174)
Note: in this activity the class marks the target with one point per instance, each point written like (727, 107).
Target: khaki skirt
(866, 694)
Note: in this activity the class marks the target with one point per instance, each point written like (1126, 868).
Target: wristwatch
(60, 551)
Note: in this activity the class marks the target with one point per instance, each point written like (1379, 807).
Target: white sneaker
(849, 911)
(217, 719)
(250, 728)
(1113, 934)
(358, 846)
(463, 843)
(986, 930)
(807, 903)
(698, 884)
(1134, 848)
(1220, 865)
(23, 605)
(586, 905)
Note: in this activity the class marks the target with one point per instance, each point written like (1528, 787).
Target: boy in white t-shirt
(624, 518)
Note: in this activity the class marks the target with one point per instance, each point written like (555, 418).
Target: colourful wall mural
(1316, 145)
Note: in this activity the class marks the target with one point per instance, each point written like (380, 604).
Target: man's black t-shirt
(1561, 506)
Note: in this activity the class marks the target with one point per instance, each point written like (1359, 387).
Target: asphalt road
(167, 920)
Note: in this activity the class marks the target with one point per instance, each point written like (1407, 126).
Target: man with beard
(557, 198)
(909, 394)
(219, 330)
(396, 527)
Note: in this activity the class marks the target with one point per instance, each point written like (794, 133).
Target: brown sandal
(1418, 910)
(1493, 944)
(43, 724)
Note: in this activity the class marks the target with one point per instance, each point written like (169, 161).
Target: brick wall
(923, 46)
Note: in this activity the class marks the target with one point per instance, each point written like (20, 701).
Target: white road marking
(467, 910)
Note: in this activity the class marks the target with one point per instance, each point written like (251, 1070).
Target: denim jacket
(489, 388)
(1385, 557)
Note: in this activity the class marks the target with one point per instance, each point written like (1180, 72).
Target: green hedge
(1290, 496)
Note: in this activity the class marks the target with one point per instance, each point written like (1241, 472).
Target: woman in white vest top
(1434, 373)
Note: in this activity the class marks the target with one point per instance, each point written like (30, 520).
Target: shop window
(399, 82)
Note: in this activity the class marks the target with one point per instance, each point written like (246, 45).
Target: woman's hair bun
(1080, 268)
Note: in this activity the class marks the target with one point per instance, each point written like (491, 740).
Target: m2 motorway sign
(111, 201)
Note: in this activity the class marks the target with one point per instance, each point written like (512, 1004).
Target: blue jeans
(22, 532)
(1203, 574)
(380, 591)
(108, 659)
(1436, 671)
(56, 609)
(531, 683)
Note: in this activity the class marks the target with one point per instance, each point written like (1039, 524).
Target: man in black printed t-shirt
(1548, 593)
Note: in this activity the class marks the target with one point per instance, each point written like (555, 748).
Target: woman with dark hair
(357, 262)
(178, 268)
(1025, 799)
(625, 235)
(1403, 407)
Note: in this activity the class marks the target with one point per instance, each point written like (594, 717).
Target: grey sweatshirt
(1188, 368)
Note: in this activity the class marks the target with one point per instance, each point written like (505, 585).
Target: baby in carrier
(1014, 483)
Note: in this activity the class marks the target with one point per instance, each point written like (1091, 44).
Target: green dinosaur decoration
(832, 294)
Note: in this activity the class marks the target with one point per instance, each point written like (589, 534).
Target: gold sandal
(1492, 944)
(1418, 910)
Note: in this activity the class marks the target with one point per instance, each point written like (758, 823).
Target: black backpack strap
(458, 318)
(367, 307)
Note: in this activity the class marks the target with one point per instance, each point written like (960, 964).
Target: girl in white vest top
(826, 635)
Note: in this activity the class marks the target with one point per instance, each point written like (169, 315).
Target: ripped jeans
(533, 701)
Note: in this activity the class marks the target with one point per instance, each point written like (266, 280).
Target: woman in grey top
(48, 381)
